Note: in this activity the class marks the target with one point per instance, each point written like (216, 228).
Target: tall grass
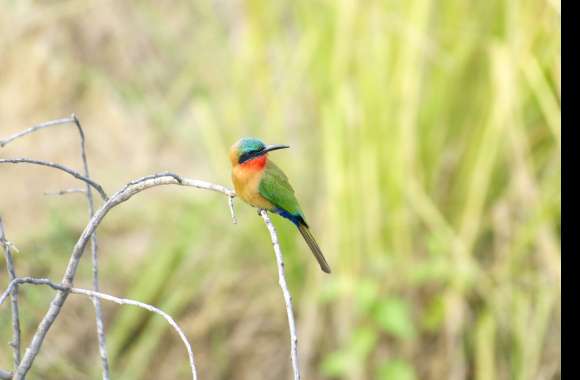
(426, 153)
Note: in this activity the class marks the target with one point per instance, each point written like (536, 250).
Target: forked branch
(66, 285)
(73, 120)
(119, 197)
(15, 344)
(107, 297)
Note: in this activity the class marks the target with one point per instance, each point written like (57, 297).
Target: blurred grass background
(425, 150)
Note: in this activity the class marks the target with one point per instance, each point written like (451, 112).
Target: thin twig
(5, 375)
(15, 344)
(232, 210)
(35, 128)
(286, 293)
(12, 246)
(127, 192)
(121, 301)
(168, 318)
(121, 196)
(65, 192)
(94, 258)
(94, 247)
(75, 174)
(30, 280)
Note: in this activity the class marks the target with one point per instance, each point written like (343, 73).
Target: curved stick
(77, 175)
(89, 233)
(94, 246)
(94, 258)
(14, 297)
(52, 123)
(119, 197)
(121, 301)
(285, 292)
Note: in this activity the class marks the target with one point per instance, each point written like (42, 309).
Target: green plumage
(274, 186)
(260, 182)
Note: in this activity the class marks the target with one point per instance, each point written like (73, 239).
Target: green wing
(274, 186)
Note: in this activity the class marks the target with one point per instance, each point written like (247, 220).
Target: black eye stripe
(249, 155)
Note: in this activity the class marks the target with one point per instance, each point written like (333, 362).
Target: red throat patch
(257, 163)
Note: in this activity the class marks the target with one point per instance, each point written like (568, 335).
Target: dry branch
(94, 258)
(65, 287)
(66, 191)
(94, 246)
(75, 174)
(121, 301)
(286, 293)
(15, 344)
(232, 210)
(52, 123)
(119, 197)
(5, 375)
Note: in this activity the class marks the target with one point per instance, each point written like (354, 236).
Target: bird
(259, 182)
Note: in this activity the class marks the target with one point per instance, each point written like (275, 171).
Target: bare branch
(168, 318)
(5, 375)
(286, 293)
(30, 280)
(232, 210)
(94, 247)
(35, 128)
(15, 344)
(94, 258)
(121, 196)
(65, 192)
(77, 175)
(121, 301)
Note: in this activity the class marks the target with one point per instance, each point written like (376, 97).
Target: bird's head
(249, 148)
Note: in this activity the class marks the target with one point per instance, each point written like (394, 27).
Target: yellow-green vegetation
(425, 143)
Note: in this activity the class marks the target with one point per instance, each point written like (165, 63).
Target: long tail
(314, 247)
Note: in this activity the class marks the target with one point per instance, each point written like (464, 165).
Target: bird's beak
(270, 148)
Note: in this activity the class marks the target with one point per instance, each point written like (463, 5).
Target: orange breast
(246, 178)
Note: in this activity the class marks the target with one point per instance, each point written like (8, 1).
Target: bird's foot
(260, 211)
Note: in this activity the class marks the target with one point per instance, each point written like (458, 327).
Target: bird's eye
(251, 154)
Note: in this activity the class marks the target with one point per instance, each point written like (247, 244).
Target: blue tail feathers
(296, 219)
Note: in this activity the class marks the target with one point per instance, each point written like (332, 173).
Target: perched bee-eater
(260, 183)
